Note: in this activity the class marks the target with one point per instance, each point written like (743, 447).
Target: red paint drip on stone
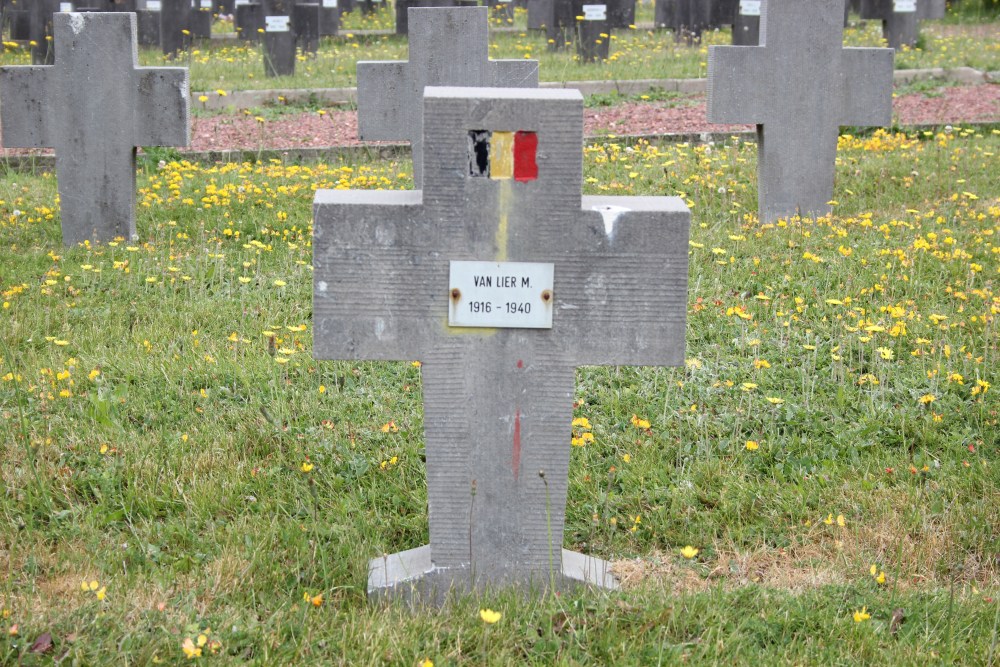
(516, 459)
(525, 148)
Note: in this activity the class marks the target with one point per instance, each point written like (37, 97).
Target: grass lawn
(830, 446)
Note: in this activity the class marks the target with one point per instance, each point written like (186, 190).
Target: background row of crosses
(796, 104)
(381, 258)
(184, 19)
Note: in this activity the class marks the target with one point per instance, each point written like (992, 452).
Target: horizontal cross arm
(866, 77)
(622, 300)
(24, 107)
(374, 292)
(738, 89)
(384, 95)
(162, 108)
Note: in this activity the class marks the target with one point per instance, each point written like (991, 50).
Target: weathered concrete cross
(94, 106)
(799, 86)
(449, 46)
(502, 280)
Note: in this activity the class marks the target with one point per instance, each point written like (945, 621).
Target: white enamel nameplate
(277, 23)
(749, 7)
(153, 5)
(329, 3)
(595, 12)
(904, 6)
(503, 295)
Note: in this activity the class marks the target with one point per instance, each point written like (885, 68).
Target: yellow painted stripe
(502, 155)
(503, 214)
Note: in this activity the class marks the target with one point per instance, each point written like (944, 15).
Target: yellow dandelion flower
(489, 616)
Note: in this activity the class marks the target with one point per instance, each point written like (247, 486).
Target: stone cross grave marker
(560, 31)
(501, 279)
(621, 13)
(799, 86)
(687, 18)
(449, 46)
(42, 52)
(175, 19)
(248, 20)
(901, 18)
(540, 14)
(593, 27)
(200, 19)
(746, 23)
(94, 106)
(279, 38)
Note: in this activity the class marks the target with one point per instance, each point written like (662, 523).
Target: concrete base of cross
(411, 576)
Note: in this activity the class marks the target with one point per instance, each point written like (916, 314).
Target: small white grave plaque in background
(206, 4)
(153, 5)
(904, 6)
(506, 295)
(329, 3)
(277, 23)
(595, 12)
(65, 6)
(749, 7)
(242, 2)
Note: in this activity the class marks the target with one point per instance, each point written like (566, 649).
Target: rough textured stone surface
(94, 106)
(403, 7)
(799, 86)
(448, 46)
(498, 402)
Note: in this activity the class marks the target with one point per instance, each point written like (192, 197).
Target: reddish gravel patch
(956, 104)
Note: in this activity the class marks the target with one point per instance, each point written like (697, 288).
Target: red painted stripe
(525, 148)
(516, 461)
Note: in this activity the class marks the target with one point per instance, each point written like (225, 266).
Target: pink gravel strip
(955, 104)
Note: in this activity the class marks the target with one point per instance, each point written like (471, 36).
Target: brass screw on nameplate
(456, 294)
(547, 295)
